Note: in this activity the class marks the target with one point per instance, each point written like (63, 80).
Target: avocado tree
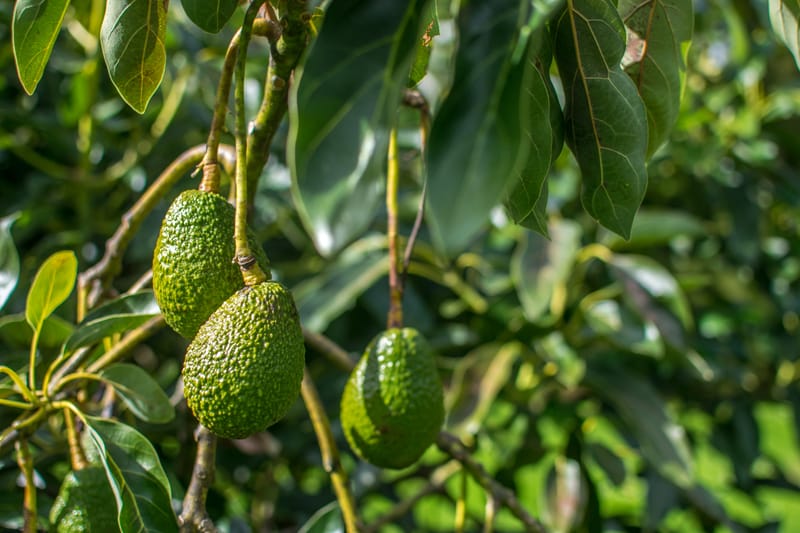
(562, 233)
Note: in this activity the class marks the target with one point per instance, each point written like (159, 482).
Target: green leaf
(541, 268)
(143, 396)
(51, 286)
(210, 16)
(34, 28)
(658, 40)
(424, 47)
(527, 201)
(479, 142)
(784, 16)
(54, 332)
(323, 298)
(342, 107)
(138, 480)
(662, 440)
(9, 259)
(122, 314)
(132, 37)
(606, 124)
(327, 519)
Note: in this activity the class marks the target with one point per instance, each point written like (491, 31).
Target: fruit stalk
(395, 316)
(251, 272)
(329, 452)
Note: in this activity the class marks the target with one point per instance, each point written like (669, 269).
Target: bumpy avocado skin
(393, 404)
(193, 268)
(243, 369)
(84, 503)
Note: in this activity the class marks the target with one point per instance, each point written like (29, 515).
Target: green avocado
(84, 503)
(243, 369)
(393, 404)
(193, 263)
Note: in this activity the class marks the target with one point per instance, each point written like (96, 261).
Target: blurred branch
(452, 446)
(424, 127)
(25, 462)
(329, 349)
(330, 454)
(194, 516)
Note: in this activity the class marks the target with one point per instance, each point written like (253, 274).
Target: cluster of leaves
(613, 384)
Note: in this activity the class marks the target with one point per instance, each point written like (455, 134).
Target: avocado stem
(251, 271)
(395, 315)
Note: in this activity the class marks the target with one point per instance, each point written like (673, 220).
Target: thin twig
(25, 462)
(453, 447)
(329, 349)
(394, 317)
(194, 516)
(329, 452)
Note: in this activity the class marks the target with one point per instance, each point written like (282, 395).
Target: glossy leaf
(132, 37)
(784, 15)
(327, 519)
(479, 142)
(123, 314)
(323, 298)
(9, 259)
(342, 107)
(526, 203)
(661, 30)
(52, 285)
(605, 120)
(138, 480)
(34, 26)
(210, 16)
(662, 440)
(540, 269)
(143, 396)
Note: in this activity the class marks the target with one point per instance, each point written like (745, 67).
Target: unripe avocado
(243, 369)
(393, 404)
(193, 267)
(84, 503)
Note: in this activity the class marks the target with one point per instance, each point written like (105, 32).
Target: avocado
(393, 403)
(193, 262)
(85, 503)
(243, 369)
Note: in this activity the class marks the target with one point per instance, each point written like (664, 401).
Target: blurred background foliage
(648, 384)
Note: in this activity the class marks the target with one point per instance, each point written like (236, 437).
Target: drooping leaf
(663, 442)
(34, 28)
(122, 314)
(605, 120)
(9, 259)
(540, 268)
(526, 202)
(210, 16)
(479, 141)
(143, 396)
(661, 30)
(342, 107)
(323, 298)
(138, 480)
(51, 286)
(132, 38)
(784, 16)
(327, 519)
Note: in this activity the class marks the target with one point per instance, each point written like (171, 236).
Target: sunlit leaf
(663, 29)
(143, 396)
(540, 269)
(479, 143)
(606, 124)
(342, 106)
(123, 314)
(138, 480)
(784, 16)
(132, 38)
(212, 15)
(52, 285)
(9, 259)
(34, 28)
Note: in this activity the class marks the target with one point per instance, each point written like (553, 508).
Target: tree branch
(194, 516)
